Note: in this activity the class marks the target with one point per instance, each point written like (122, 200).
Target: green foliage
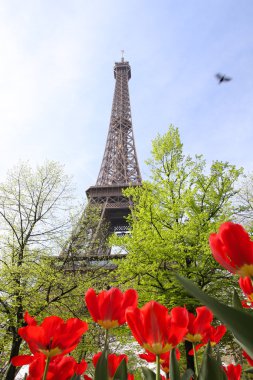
(171, 220)
(243, 212)
(148, 374)
(174, 367)
(210, 367)
(34, 221)
(101, 367)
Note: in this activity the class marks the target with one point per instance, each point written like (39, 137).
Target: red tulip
(248, 358)
(65, 367)
(37, 367)
(108, 307)
(113, 362)
(20, 360)
(246, 286)
(198, 326)
(164, 359)
(54, 336)
(233, 372)
(60, 367)
(246, 304)
(36, 364)
(29, 320)
(213, 334)
(155, 329)
(233, 249)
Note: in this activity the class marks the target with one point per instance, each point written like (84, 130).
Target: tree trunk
(189, 358)
(16, 342)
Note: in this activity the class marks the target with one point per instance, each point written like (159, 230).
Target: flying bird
(222, 78)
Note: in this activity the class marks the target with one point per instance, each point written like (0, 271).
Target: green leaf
(148, 374)
(188, 374)
(249, 370)
(76, 377)
(210, 368)
(121, 373)
(174, 368)
(237, 321)
(236, 301)
(101, 367)
(218, 356)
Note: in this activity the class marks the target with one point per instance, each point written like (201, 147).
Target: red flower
(65, 367)
(36, 364)
(233, 372)
(29, 320)
(113, 362)
(246, 286)
(150, 357)
(108, 307)
(20, 360)
(246, 304)
(36, 367)
(60, 367)
(214, 335)
(164, 359)
(155, 329)
(130, 376)
(198, 326)
(248, 358)
(233, 249)
(54, 336)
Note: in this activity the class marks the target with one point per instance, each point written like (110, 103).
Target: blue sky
(56, 79)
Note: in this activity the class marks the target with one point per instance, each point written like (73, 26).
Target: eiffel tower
(119, 169)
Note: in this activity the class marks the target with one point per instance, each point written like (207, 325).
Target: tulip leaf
(101, 367)
(174, 367)
(236, 301)
(76, 377)
(249, 370)
(237, 321)
(210, 368)
(121, 373)
(218, 357)
(188, 374)
(148, 374)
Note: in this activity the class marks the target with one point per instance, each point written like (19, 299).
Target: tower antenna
(122, 55)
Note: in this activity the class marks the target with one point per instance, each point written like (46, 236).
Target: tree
(172, 217)
(244, 205)
(34, 209)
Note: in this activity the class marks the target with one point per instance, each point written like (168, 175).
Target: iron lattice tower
(119, 168)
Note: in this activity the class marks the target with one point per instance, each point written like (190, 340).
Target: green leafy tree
(172, 217)
(244, 203)
(34, 221)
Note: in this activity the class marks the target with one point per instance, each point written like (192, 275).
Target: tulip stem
(106, 348)
(46, 369)
(157, 367)
(195, 360)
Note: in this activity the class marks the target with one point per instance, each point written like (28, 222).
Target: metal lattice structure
(119, 168)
